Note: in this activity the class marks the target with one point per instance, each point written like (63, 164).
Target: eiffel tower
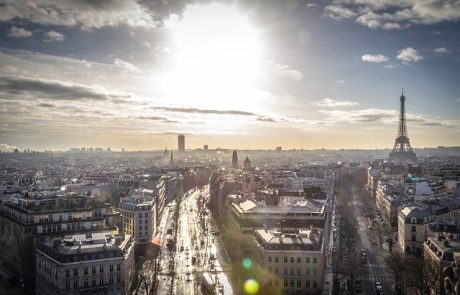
(402, 151)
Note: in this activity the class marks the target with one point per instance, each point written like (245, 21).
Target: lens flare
(247, 263)
(251, 286)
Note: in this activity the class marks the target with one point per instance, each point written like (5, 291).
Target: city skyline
(310, 75)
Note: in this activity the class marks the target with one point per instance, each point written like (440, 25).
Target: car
(358, 288)
(378, 288)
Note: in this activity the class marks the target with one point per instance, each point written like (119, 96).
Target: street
(197, 249)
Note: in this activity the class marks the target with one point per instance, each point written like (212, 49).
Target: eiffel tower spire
(402, 151)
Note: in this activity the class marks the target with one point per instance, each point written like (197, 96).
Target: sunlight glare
(216, 57)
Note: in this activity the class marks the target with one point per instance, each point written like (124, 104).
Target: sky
(248, 74)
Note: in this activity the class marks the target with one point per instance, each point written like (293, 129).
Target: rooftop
(300, 239)
(78, 247)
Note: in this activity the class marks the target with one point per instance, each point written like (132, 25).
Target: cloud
(158, 118)
(331, 103)
(8, 69)
(19, 33)
(375, 116)
(391, 26)
(204, 111)
(26, 88)
(46, 105)
(266, 119)
(125, 65)
(285, 71)
(408, 55)
(378, 58)
(53, 36)
(390, 14)
(340, 82)
(82, 13)
(442, 50)
(338, 12)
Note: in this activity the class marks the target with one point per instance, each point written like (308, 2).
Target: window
(285, 270)
(270, 269)
(85, 270)
(276, 259)
(67, 273)
(111, 267)
(140, 215)
(111, 280)
(414, 229)
(101, 280)
(269, 259)
(118, 278)
(315, 260)
(277, 282)
(285, 282)
(315, 284)
(292, 271)
(146, 215)
(85, 283)
(140, 227)
(93, 269)
(308, 259)
(118, 266)
(307, 284)
(292, 283)
(413, 237)
(93, 282)
(315, 272)
(75, 284)
(285, 259)
(75, 272)
(299, 283)
(67, 285)
(276, 270)
(307, 271)
(101, 268)
(292, 259)
(299, 271)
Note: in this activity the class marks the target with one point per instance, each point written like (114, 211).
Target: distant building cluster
(422, 204)
(282, 214)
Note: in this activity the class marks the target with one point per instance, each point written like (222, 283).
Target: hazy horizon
(229, 74)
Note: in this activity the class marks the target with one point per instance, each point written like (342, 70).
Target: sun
(216, 57)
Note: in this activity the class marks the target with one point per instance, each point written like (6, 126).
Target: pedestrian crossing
(377, 279)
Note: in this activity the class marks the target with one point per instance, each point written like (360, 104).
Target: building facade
(98, 263)
(138, 215)
(294, 259)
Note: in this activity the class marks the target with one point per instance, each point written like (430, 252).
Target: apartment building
(138, 215)
(294, 259)
(27, 219)
(97, 263)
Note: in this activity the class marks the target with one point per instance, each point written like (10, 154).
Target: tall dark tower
(171, 160)
(235, 160)
(181, 143)
(402, 151)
